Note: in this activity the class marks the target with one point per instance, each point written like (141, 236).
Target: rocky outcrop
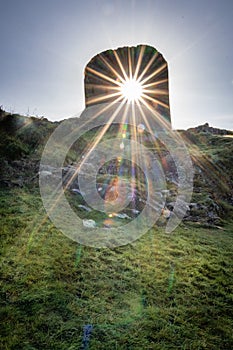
(209, 129)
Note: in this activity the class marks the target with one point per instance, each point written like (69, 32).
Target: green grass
(161, 292)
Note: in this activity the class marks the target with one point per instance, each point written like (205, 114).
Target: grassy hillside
(161, 292)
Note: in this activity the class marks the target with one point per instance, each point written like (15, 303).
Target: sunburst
(131, 90)
(128, 80)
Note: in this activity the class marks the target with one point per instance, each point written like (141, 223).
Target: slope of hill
(211, 150)
(161, 292)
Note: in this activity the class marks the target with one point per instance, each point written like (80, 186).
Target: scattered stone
(45, 173)
(89, 223)
(48, 168)
(193, 205)
(135, 211)
(84, 207)
(159, 194)
(17, 182)
(75, 190)
(122, 216)
(165, 192)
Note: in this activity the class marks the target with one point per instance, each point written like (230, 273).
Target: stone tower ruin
(145, 62)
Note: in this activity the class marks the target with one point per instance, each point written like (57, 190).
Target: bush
(12, 148)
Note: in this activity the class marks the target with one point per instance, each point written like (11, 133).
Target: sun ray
(103, 76)
(156, 83)
(125, 113)
(154, 100)
(111, 68)
(130, 64)
(139, 62)
(120, 64)
(164, 122)
(134, 149)
(101, 134)
(102, 110)
(103, 97)
(154, 73)
(148, 127)
(207, 165)
(103, 87)
(156, 92)
(144, 118)
(147, 66)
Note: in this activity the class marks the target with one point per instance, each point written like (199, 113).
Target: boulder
(88, 223)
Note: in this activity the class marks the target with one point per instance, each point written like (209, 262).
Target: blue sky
(46, 44)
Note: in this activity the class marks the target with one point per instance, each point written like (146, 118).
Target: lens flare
(141, 128)
(128, 88)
